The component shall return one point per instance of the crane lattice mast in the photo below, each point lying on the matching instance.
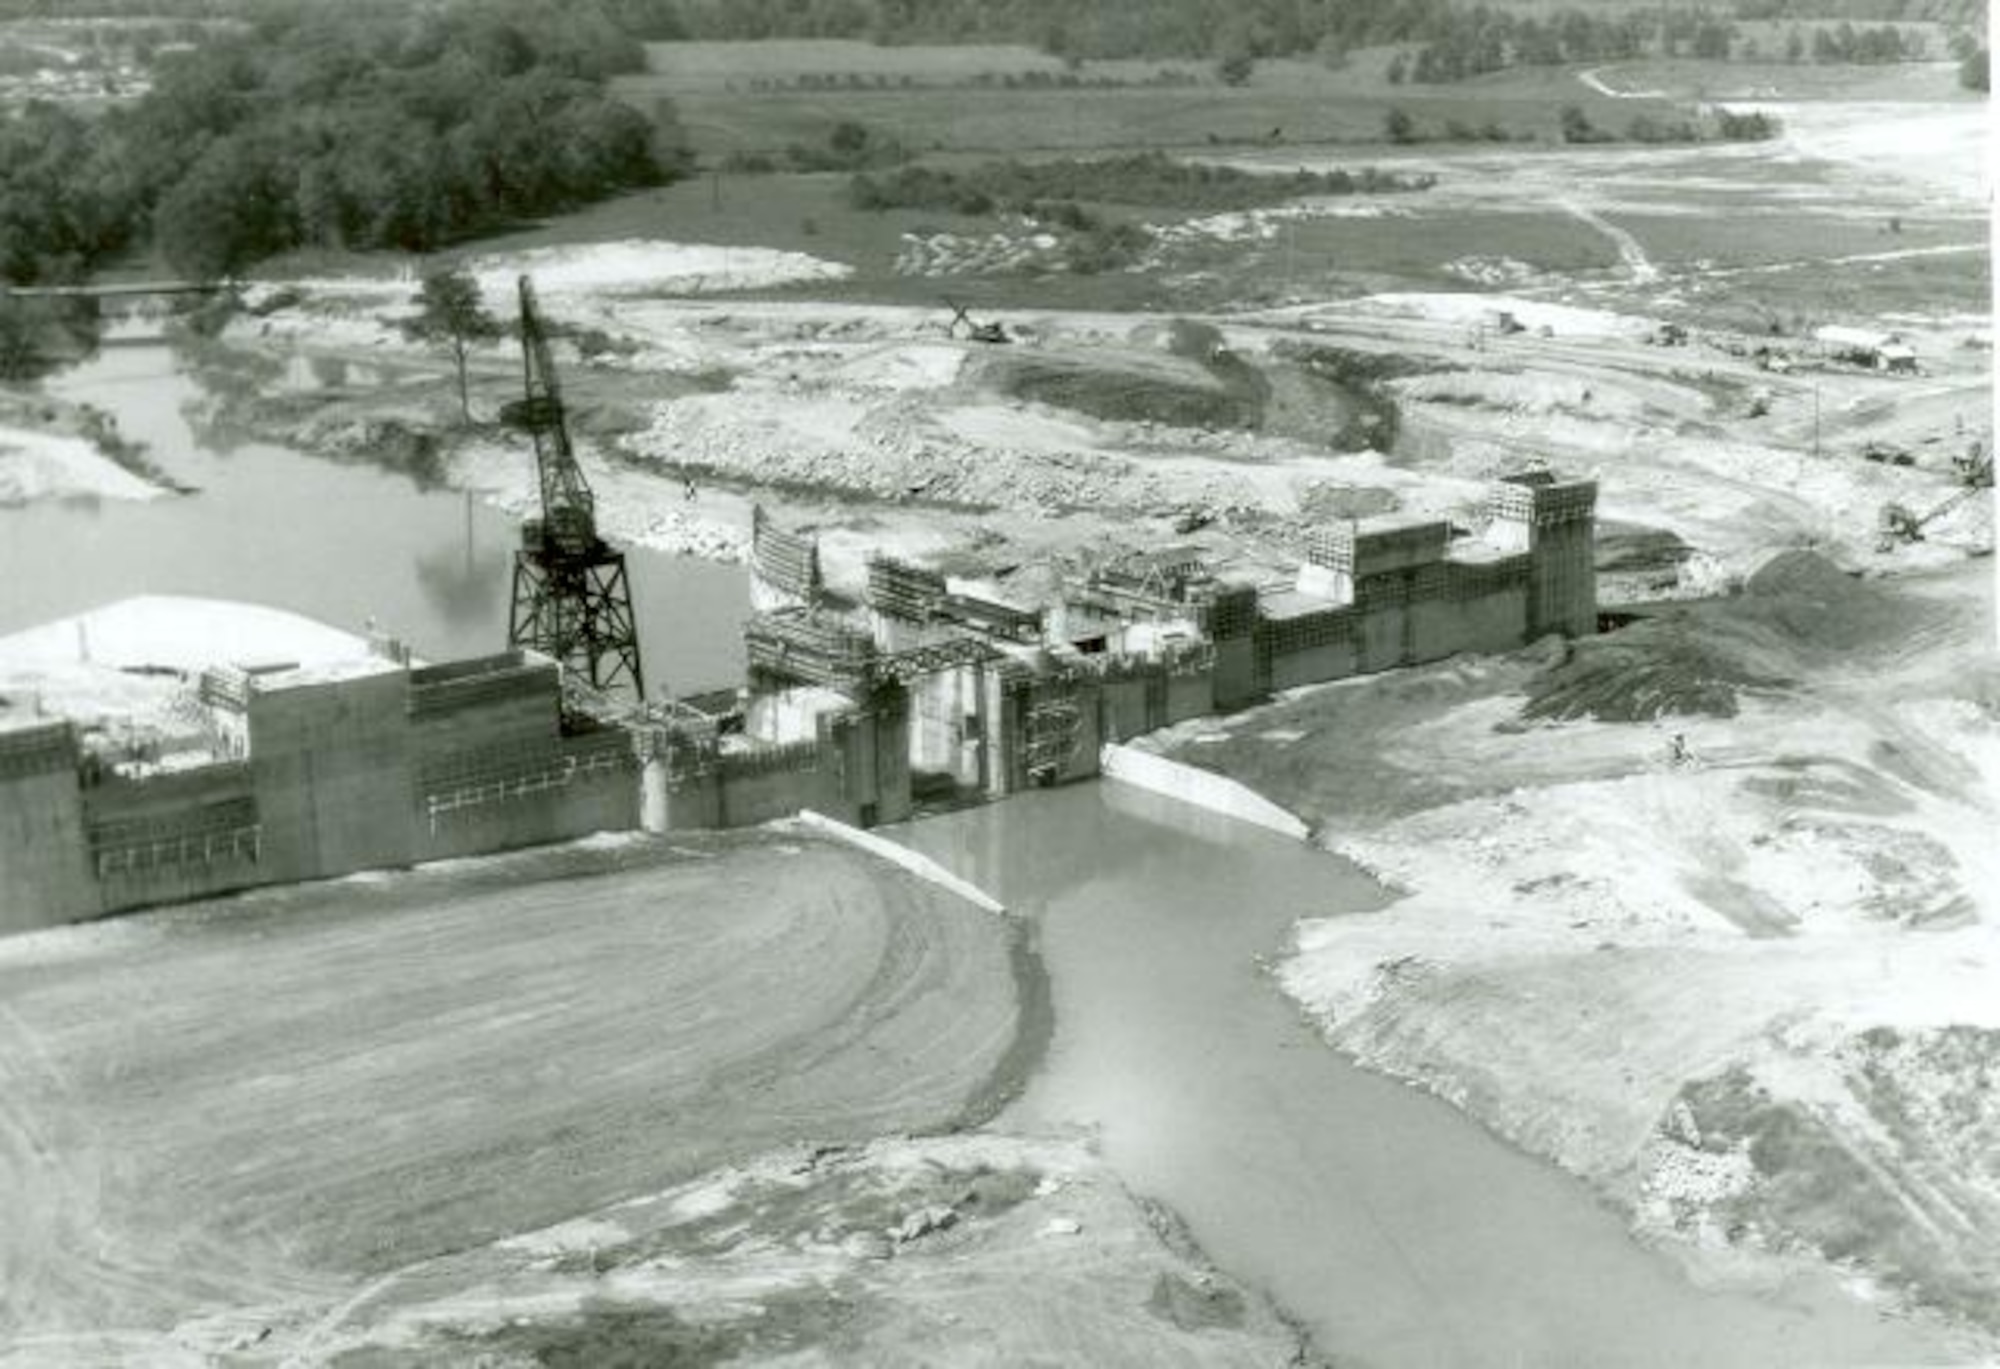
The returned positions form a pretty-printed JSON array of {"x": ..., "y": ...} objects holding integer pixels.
[{"x": 571, "y": 598}]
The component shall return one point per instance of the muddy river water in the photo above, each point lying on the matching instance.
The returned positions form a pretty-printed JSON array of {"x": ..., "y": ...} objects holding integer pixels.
[
  {"x": 343, "y": 543},
  {"x": 1397, "y": 1230}
]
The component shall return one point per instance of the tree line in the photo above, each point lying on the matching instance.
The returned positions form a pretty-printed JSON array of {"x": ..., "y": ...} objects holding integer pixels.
[
  {"x": 1468, "y": 38},
  {"x": 366, "y": 125},
  {"x": 1144, "y": 178}
]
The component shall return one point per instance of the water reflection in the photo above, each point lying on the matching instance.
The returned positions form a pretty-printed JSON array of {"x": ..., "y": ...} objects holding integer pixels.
[{"x": 465, "y": 584}]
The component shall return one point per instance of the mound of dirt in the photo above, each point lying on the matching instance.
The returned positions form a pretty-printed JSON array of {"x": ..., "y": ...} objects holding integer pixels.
[
  {"x": 1669, "y": 666},
  {"x": 1819, "y": 607},
  {"x": 1693, "y": 660},
  {"x": 1180, "y": 395}
]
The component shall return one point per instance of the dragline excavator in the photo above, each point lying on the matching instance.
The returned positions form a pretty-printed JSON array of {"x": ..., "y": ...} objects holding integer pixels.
[
  {"x": 572, "y": 601},
  {"x": 1899, "y": 524}
]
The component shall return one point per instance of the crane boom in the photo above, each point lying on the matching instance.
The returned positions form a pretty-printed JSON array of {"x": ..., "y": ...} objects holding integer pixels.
[{"x": 569, "y": 509}]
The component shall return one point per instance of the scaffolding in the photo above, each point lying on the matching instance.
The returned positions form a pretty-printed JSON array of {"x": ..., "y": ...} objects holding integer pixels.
[
  {"x": 213, "y": 834},
  {"x": 1051, "y": 731},
  {"x": 803, "y": 647},
  {"x": 787, "y": 562}
]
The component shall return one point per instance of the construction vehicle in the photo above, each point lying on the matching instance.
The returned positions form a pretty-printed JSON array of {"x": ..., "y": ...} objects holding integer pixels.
[
  {"x": 1899, "y": 524},
  {"x": 572, "y": 601},
  {"x": 977, "y": 332}
]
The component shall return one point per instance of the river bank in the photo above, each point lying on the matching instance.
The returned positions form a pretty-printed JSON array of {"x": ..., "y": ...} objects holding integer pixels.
[
  {"x": 54, "y": 448},
  {"x": 1701, "y": 911},
  {"x": 1397, "y": 1230}
]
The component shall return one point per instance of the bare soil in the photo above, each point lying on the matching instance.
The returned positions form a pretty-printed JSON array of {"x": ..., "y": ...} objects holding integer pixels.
[{"x": 276, "y": 1098}]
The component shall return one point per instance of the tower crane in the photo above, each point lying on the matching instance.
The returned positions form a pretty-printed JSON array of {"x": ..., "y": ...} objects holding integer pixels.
[{"x": 572, "y": 600}]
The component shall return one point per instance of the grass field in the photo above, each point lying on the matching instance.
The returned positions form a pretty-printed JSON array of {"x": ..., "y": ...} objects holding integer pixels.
[
  {"x": 715, "y": 65},
  {"x": 1304, "y": 101},
  {"x": 1687, "y": 79},
  {"x": 1811, "y": 293},
  {"x": 268, "y": 1098}
]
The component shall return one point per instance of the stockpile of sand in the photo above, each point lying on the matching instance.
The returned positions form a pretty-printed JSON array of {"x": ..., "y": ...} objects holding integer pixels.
[
  {"x": 39, "y": 465},
  {"x": 639, "y": 266},
  {"x": 1811, "y": 604},
  {"x": 175, "y": 632}
]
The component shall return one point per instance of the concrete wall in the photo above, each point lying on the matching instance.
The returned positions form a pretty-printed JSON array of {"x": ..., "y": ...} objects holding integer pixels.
[
  {"x": 1190, "y": 694},
  {"x": 1334, "y": 660},
  {"x": 332, "y": 765},
  {"x": 888, "y": 732},
  {"x": 1122, "y": 706},
  {"x": 173, "y": 836},
  {"x": 561, "y": 789},
  {"x": 1203, "y": 788},
  {"x": 509, "y": 704},
  {"x": 1236, "y": 679},
  {"x": 922, "y": 866},
  {"x": 856, "y": 770},
  {"x": 44, "y": 874},
  {"x": 774, "y": 783}
]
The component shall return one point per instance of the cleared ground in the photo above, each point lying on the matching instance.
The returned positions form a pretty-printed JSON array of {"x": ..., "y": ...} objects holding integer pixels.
[
  {"x": 977, "y": 1250},
  {"x": 264, "y": 1103},
  {"x": 1703, "y": 910}
]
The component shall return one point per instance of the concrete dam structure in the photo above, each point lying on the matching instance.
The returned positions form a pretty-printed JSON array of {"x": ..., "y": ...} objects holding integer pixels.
[{"x": 921, "y": 692}]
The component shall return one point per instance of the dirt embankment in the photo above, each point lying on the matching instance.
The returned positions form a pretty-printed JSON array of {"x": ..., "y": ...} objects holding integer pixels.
[
  {"x": 964, "y": 1250},
  {"x": 303, "y": 1090},
  {"x": 1703, "y": 910}
]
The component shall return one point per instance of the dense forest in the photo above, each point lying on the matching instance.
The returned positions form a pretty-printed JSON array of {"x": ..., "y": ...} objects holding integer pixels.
[{"x": 362, "y": 125}]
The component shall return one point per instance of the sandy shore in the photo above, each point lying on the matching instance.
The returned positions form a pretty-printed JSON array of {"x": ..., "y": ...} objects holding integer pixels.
[{"x": 36, "y": 464}]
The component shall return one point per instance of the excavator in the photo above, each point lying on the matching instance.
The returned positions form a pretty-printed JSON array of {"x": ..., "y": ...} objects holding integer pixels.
[
  {"x": 978, "y": 332},
  {"x": 1900, "y": 525}
]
